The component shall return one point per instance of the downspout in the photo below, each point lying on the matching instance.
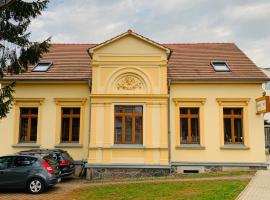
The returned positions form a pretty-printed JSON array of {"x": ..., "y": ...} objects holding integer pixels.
[
  {"x": 169, "y": 122},
  {"x": 89, "y": 131}
]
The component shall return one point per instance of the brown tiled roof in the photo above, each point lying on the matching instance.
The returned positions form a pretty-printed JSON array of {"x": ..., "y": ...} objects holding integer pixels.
[
  {"x": 187, "y": 62},
  {"x": 70, "y": 62},
  {"x": 192, "y": 61}
]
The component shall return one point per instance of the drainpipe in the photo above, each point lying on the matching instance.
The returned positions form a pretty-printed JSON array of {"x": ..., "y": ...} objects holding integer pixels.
[
  {"x": 89, "y": 130},
  {"x": 169, "y": 122}
]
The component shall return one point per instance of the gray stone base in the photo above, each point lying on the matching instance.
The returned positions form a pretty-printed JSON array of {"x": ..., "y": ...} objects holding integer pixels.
[
  {"x": 216, "y": 169},
  {"x": 120, "y": 173},
  {"x": 95, "y": 172}
]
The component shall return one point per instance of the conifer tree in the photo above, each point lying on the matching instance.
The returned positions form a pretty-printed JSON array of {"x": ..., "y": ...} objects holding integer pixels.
[{"x": 17, "y": 52}]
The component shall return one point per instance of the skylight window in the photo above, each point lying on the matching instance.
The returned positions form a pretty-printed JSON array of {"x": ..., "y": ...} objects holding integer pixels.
[
  {"x": 42, "y": 67},
  {"x": 220, "y": 66}
]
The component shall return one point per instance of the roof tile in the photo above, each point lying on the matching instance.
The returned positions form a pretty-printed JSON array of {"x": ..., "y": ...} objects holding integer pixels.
[{"x": 187, "y": 62}]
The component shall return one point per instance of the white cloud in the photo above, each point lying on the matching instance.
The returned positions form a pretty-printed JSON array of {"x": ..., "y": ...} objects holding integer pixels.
[{"x": 245, "y": 22}]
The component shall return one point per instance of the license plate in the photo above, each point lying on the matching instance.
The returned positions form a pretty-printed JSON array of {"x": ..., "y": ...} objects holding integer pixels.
[{"x": 59, "y": 180}]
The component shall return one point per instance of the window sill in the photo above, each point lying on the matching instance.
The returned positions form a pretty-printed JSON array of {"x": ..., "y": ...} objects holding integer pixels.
[
  {"x": 27, "y": 145},
  {"x": 127, "y": 146},
  {"x": 68, "y": 145},
  {"x": 234, "y": 147},
  {"x": 190, "y": 146}
]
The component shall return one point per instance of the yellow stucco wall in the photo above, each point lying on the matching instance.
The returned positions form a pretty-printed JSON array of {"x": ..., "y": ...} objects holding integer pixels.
[
  {"x": 48, "y": 135},
  {"x": 132, "y": 71},
  {"x": 232, "y": 95},
  {"x": 115, "y": 66}
]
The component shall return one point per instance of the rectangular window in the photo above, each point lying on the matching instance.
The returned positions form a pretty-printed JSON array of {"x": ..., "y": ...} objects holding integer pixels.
[
  {"x": 189, "y": 126},
  {"x": 128, "y": 124},
  {"x": 233, "y": 125},
  {"x": 42, "y": 66},
  {"x": 28, "y": 125},
  {"x": 267, "y": 86},
  {"x": 220, "y": 66},
  {"x": 70, "y": 125}
]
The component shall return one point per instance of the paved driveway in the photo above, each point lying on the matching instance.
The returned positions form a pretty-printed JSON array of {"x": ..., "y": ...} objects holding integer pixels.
[{"x": 58, "y": 192}]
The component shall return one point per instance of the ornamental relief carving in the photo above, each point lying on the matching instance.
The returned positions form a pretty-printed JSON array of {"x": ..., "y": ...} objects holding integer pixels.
[{"x": 129, "y": 83}]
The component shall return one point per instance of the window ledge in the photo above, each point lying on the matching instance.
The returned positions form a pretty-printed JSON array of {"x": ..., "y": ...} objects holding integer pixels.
[
  {"x": 127, "y": 146},
  {"x": 68, "y": 145},
  {"x": 190, "y": 146},
  {"x": 21, "y": 145},
  {"x": 234, "y": 147}
]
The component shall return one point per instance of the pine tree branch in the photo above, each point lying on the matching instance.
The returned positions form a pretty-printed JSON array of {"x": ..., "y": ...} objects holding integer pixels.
[
  {"x": 6, "y": 99},
  {"x": 16, "y": 51},
  {"x": 5, "y": 3}
]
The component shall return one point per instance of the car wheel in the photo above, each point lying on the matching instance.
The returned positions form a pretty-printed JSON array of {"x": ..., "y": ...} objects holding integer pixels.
[{"x": 36, "y": 186}]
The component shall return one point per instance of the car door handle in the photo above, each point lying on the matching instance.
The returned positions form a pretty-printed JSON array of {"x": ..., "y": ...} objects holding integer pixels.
[{"x": 1, "y": 172}]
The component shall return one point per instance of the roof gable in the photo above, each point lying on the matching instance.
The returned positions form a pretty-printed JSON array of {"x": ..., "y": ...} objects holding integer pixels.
[{"x": 129, "y": 43}]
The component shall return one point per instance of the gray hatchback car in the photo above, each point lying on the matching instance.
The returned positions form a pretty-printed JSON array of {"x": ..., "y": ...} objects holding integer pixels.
[{"x": 35, "y": 174}]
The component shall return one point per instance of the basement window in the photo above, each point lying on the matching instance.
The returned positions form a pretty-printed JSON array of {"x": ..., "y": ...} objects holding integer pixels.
[
  {"x": 220, "y": 66},
  {"x": 42, "y": 66}
]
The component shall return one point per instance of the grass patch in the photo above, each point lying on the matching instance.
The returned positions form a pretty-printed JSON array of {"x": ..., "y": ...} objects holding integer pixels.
[
  {"x": 177, "y": 176},
  {"x": 201, "y": 190}
]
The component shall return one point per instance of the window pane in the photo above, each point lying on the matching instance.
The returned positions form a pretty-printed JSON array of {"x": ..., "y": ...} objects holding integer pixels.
[
  {"x": 24, "y": 161},
  {"x": 138, "y": 130},
  {"x": 238, "y": 130},
  {"x": 118, "y": 129},
  {"x": 195, "y": 138},
  {"x": 184, "y": 130},
  {"x": 34, "y": 111},
  {"x": 220, "y": 66},
  {"x": 138, "y": 109},
  {"x": 194, "y": 110},
  {"x": 33, "y": 131},
  {"x": 227, "y": 131},
  {"x": 133, "y": 124},
  {"x": 267, "y": 86},
  {"x": 65, "y": 129},
  {"x": 128, "y": 131},
  {"x": 237, "y": 111},
  {"x": 42, "y": 67},
  {"x": 76, "y": 110},
  {"x": 183, "y": 110},
  {"x": 75, "y": 129},
  {"x": 24, "y": 110},
  {"x": 6, "y": 163},
  {"x": 23, "y": 130},
  {"x": 227, "y": 111},
  {"x": 118, "y": 109},
  {"x": 128, "y": 109},
  {"x": 66, "y": 110}
]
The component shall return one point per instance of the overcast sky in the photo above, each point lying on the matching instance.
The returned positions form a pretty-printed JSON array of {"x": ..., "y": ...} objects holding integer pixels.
[{"x": 244, "y": 22}]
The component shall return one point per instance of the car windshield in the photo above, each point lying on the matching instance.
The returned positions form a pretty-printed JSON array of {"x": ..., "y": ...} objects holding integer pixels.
[
  {"x": 49, "y": 159},
  {"x": 66, "y": 156}
]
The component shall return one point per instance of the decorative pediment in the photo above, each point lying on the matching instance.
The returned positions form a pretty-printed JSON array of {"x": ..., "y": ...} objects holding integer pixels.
[
  {"x": 129, "y": 82},
  {"x": 130, "y": 43}
]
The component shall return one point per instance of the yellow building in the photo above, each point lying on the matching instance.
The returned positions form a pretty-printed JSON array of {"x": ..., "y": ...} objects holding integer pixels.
[{"x": 132, "y": 106}]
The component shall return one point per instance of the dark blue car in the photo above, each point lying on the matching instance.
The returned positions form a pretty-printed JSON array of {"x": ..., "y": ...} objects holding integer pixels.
[
  {"x": 35, "y": 174},
  {"x": 64, "y": 160}
]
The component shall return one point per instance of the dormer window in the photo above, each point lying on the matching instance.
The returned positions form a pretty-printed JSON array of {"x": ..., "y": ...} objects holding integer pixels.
[
  {"x": 220, "y": 66},
  {"x": 42, "y": 66}
]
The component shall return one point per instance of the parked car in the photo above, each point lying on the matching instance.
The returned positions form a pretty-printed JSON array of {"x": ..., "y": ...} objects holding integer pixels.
[
  {"x": 35, "y": 174},
  {"x": 65, "y": 161}
]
